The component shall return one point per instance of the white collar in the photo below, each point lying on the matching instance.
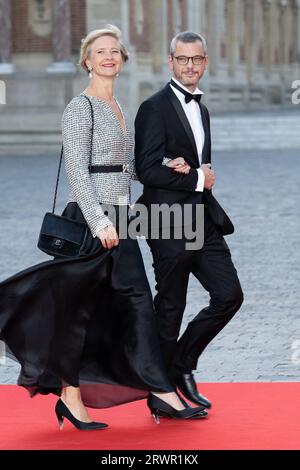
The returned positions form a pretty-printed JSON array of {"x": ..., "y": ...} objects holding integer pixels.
[{"x": 195, "y": 92}]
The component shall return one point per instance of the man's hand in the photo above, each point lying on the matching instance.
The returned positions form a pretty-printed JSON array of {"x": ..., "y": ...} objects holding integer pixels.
[
  {"x": 108, "y": 236},
  {"x": 179, "y": 164},
  {"x": 209, "y": 175}
]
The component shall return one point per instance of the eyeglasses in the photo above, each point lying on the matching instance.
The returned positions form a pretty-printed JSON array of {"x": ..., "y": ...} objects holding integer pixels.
[{"x": 184, "y": 60}]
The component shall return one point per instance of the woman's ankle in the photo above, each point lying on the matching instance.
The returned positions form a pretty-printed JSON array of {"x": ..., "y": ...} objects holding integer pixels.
[{"x": 71, "y": 394}]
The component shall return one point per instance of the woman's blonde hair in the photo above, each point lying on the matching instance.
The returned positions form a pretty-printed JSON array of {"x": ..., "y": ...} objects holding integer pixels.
[{"x": 108, "y": 30}]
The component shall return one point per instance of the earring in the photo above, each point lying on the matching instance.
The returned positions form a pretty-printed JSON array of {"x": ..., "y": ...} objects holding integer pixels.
[{"x": 90, "y": 71}]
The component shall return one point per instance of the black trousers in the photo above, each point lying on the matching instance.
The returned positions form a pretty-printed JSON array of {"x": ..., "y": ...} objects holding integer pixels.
[{"x": 213, "y": 267}]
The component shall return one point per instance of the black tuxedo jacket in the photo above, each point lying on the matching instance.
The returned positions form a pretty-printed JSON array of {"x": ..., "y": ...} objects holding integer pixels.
[{"x": 163, "y": 130}]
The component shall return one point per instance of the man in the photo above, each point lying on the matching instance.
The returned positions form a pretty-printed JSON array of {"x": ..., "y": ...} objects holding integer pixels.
[{"x": 174, "y": 123}]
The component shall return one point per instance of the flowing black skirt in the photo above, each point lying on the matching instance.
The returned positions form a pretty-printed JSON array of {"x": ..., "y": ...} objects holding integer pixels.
[{"x": 86, "y": 321}]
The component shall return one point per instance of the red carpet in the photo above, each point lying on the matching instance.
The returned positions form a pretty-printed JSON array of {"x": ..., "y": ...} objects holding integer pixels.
[{"x": 244, "y": 416}]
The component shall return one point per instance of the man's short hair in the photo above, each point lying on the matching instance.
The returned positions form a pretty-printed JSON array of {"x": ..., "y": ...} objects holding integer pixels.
[{"x": 187, "y": 37}]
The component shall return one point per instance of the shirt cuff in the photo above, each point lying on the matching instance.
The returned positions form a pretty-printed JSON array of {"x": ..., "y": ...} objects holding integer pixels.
[
  {"x": 166, "y": 160},
  {"x": 200, "y": 183}
]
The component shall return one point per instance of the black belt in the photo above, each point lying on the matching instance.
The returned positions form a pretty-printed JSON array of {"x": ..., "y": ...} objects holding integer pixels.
[{"x": 106, "y": 169}]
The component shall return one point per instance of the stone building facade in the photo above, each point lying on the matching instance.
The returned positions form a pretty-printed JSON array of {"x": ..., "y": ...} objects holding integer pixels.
[{"x": 254, "y": 51}]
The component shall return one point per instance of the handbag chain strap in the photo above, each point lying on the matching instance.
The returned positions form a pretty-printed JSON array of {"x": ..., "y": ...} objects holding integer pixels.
[{"x": 62, "y": 152}]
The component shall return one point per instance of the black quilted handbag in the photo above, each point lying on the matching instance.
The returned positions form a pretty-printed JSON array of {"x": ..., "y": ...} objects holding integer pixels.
[{"x": 61, "y": 236}]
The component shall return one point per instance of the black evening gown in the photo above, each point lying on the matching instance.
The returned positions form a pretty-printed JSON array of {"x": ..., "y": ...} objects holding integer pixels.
[{"x": 87, "y": 322}]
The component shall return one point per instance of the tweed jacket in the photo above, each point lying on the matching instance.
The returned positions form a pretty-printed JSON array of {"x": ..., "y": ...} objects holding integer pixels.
[{"x": 110, "y": 146}]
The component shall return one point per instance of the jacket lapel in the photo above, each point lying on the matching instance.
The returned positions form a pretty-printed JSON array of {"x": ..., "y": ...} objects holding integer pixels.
[
  {"x": 183, "y": 119},
  {"x": 206, "y": 146}
]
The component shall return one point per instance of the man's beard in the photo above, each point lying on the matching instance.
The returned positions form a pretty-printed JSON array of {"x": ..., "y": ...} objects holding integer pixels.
[{"x": 190, "y": 81}]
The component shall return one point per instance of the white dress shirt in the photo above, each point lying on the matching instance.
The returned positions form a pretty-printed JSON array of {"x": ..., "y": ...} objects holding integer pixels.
[{"x": 193, "y": 114}]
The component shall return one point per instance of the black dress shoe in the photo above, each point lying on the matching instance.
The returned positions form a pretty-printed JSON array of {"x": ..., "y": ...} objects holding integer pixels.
[
  {"x": 187, "y": 385},
  {"x": 184, "y": 402},
  {"x": 202, "y": 412},
  {"x": 62, "y": 411},
  {"x": 159, "y": 408}
]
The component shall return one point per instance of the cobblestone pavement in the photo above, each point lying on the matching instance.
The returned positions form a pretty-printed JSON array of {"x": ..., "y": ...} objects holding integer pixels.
[{"x": 260, "y": 190}]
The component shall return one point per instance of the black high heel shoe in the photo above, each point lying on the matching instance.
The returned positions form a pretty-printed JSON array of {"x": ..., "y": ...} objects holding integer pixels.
[
  {"x": 62, "y": 411},
  {"x": 160, "y": 408},
  {"x": 200, "y": 407}
]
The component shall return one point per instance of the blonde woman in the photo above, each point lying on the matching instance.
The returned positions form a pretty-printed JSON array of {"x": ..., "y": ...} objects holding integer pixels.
[{"x": 84, "y": 328}]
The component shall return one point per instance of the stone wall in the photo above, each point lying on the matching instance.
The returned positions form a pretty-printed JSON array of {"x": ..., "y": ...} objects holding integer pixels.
[{"x": 254, "y": 52}]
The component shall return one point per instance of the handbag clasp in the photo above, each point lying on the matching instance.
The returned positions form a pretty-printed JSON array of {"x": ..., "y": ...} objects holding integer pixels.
[{"x": 58, "y": 243}]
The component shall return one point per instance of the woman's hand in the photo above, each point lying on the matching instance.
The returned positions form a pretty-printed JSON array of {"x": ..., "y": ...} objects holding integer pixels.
[
  {"x": 179, "y": 164},
  {"x": 108, "y": 236}
]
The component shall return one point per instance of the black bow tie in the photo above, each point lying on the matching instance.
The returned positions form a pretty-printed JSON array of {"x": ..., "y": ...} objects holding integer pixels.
[{"x": 188, "y": 96}]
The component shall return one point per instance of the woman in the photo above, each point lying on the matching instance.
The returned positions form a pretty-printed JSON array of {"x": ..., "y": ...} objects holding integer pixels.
[{"x": 84, "y": 328}]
